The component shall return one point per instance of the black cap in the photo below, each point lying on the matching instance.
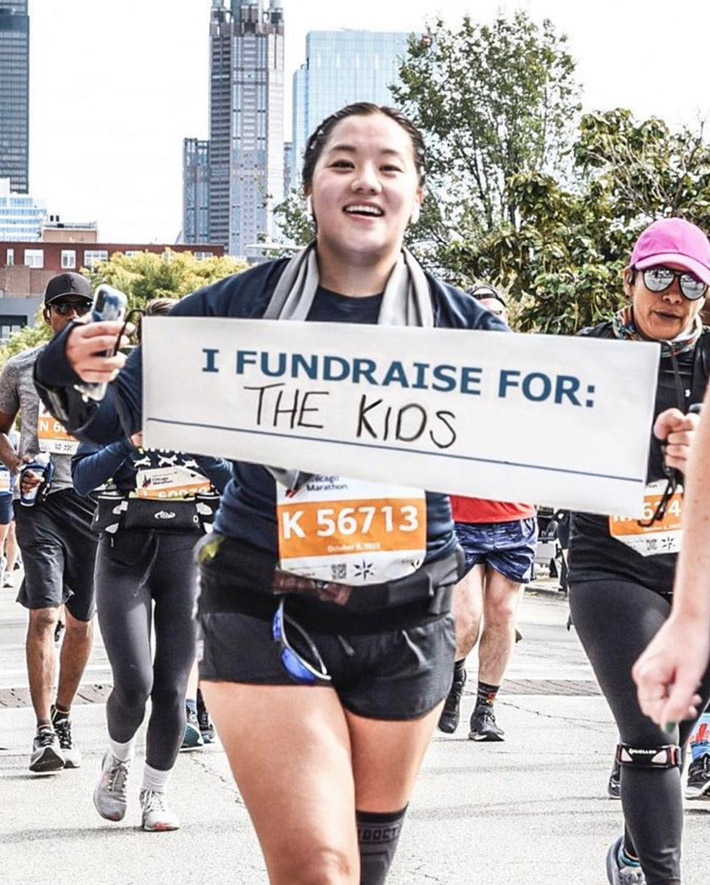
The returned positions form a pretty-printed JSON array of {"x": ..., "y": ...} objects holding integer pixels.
[{"x": 68, "y": 284}]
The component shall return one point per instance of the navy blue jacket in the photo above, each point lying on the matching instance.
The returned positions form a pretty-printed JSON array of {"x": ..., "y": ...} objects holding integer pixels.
[{"x": 247, "y": 510}]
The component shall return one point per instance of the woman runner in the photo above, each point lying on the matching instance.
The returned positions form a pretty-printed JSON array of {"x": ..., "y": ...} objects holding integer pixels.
[{"x": 324, "y": 694}]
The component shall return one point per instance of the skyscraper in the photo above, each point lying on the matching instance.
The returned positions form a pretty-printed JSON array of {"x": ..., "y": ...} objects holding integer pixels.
[
  {"x": 243, "y": 161},
  {"x": 14, "y": 93},
  {"x": 341, "y": 67}
]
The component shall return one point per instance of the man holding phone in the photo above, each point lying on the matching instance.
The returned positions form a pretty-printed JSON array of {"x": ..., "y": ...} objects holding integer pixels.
[{"x": 54, "y": 534}]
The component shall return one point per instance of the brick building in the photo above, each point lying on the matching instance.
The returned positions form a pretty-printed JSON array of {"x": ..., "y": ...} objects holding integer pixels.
[{"x": 26, "y": 266}]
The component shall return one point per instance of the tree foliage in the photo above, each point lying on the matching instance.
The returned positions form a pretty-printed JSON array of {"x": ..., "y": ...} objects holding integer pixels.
[
  {"x": 149, "y": 275},
  {"x": 494, "y": 101},
  {"x": 526, "y": 193},
  {"x": 142, "y": 277}
]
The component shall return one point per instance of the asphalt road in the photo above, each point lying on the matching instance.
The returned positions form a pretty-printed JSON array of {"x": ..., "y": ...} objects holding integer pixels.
[{"x": 529, "y": 811}]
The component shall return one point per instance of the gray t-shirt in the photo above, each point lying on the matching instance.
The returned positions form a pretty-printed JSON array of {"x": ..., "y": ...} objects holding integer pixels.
[{"x": 18, "y": 393}]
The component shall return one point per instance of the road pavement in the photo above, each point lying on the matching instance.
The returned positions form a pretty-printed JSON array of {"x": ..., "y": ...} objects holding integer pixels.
[{"x": 529, "y": 811}]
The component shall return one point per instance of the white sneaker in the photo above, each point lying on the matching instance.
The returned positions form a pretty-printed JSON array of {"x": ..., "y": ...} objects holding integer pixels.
[
  {"x": 157, "y": 814},
  {"x": 110, "y": 793},
  {"x": 70, "y": 751},
  {"x": 46, "y": 755}
]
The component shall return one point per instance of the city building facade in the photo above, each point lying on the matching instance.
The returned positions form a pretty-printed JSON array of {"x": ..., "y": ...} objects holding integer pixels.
[
  {"x": 21, "y": 216},
  {"x": 27, "y": 266},
  {"x": 236, "y": 178},
  {"x": 15, "y": 94},
  {"x": 341, "y": 67}
]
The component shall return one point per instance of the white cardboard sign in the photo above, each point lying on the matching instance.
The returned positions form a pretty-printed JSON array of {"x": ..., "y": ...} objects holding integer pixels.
[{"x": 555, "y": 420}]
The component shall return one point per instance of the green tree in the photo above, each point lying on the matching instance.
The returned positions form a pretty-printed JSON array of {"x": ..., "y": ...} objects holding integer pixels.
[
  {"x": 24, "y": 339},
  {"x": 494, "y": 101},
  {"x": 142, "y": 277},
  {"x": 565, "y": 259},
  {"x": 171, "y": 275},
  {"x": 294, "y": 222}
]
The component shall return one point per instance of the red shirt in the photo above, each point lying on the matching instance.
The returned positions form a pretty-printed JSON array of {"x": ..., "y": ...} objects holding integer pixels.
[{"x": 477, "y": 510}]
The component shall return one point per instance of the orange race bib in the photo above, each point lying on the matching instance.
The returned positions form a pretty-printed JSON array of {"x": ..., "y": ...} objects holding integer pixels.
[
  {"x": 170, "y": 482},
  {"x": 350, "y": 531},
  {"x": 5, "y": 481},
  {"x": 52, "y": 436},
  {"x": 663, "y": 536}
]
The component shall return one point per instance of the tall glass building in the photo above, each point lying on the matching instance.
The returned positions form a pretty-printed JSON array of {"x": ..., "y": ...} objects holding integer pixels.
[
  {"x": 341, "y": 67},
  {"x": 14, "y": 93},
  {"x": 21, "y": 216},
  {"x": 244, "y": 159}
]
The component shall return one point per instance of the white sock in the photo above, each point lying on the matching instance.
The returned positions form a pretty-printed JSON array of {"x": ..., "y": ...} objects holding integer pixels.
[
  {"x": 155, "y": 780},
  {"x": 122, "y": 752}
]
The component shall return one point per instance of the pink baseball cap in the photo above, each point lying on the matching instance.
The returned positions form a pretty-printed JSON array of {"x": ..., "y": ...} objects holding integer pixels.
[{"x": 673, "y": 241}]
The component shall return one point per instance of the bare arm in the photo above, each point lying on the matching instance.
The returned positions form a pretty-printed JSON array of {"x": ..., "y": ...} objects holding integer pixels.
[
  {"x": 669, "y": 671},
  {"x": 8, "y": 455}
]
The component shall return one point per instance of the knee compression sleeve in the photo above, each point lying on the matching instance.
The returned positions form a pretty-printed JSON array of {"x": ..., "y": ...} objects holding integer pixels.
[
  {"x": 665, "y": 756},
  {"x": 377, "y": 835}
]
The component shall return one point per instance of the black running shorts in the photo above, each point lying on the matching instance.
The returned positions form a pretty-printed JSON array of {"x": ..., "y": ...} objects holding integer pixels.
[
  {"x": 394, "y": 672},
  {"x": 58, "y": 553}
]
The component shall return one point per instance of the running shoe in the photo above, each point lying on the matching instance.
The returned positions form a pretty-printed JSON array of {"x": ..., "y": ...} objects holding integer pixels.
[
  {"x": 619, "y": 873},
  {"x": 192, "y": 739},
  {"x": 613, "y": 788},
  {"x": 71, "y": 753},
  {"x": 110, "y": 793},
  {"x": 157, "y": 814},
  {"x": 698, "y": 783},
  {"x": 450, "y": 715},
  {"x": 484, "y": 726},
  {"x": 47, "y": 754},
  {"x": 7, "y": 580},
  {"x": 206, "y": 725}
]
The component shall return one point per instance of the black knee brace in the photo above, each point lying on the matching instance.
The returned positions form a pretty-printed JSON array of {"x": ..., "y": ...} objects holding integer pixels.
[
  {"x": 665, "y": 756},
  {"x": 377, "y": 836}
]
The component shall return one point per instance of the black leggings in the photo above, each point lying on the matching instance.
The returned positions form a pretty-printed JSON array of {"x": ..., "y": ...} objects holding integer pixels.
[
  {"x": 133, "y": 571},
  {"x": 615, "y": 620}
]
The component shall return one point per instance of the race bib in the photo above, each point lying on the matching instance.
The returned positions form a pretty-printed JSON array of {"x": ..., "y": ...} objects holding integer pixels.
[
  {"x": 663, "y": 536},
  {"x": 170, "y": 482},
  {"x": 5, "y": 481},
  {"x": 349, "y": 531},
  {"x": 52, "y": 436}
]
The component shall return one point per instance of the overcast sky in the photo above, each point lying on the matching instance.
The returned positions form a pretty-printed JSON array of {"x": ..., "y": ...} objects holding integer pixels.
[{"x": 117, "y": 84}]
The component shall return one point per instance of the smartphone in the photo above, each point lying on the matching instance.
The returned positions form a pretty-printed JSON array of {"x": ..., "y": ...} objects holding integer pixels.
[{"x": 109, "y": 304}]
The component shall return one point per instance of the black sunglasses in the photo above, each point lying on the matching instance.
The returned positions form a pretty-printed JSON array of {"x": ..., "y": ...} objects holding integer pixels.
[
  {"x": 658, "y": 279},
  {"x": 64, "y": 308},
  {"x": 297, "y": 667}
]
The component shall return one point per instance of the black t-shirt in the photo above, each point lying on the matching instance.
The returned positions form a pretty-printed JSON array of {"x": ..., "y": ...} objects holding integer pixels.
[{"x": 595, "y": 555}]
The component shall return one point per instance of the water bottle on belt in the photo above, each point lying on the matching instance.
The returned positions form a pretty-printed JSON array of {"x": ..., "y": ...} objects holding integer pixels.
[{"x": 41, "y": 465}]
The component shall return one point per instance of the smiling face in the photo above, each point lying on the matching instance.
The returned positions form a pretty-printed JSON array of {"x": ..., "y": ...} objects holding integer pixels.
[
  {"x": 365, "y": 189},
  {"x": 661, "y": 316}
]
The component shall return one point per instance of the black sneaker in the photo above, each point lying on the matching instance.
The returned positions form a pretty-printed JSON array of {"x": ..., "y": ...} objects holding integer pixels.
[
  {"x": 449, "y": 719},
  {"x": 613, "y": 788},
  {"x": 71, "y": 753},
  {"x": 484, "y": 726},
  {"x": 46, "y": 755},
  {"x": 698, "y": 783}
]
